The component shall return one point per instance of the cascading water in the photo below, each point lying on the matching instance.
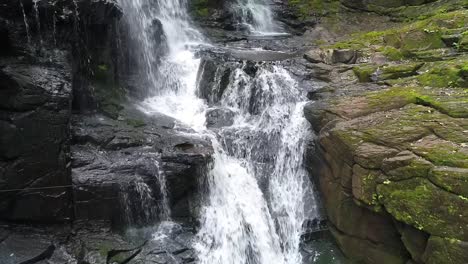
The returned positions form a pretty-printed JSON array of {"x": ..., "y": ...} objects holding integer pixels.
[
  {"x": 257, "y": 16},
  {"x": 267, "y": 143},
  {"x": 38, "y": 20},
  {"x": 26, "y": 24},
  {"x": 255, "y": 207},
  {"x": 146, "y": 209}
]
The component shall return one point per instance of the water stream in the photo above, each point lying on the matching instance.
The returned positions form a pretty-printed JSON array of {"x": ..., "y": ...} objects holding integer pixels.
[
  {"x": 259, "y": 194},
  {"x": 257, "y": 16}
]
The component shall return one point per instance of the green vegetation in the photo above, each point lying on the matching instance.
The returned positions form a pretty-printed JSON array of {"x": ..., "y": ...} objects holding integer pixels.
[
  {"x": 406, "y": 41},
  {"x": 308, "y": 8},
  {"x": 107, "y": 93}
]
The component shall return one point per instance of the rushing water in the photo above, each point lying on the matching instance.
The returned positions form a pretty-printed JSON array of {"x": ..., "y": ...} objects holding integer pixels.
[
  {"x": 257, "y": 16},
  {"x": 259, "y": 193}
]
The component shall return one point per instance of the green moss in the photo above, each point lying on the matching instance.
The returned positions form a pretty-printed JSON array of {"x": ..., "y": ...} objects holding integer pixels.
[
  {"x": 110, "y": 99},
  {"x": 439, "y": 77},
  {"x": 364, "y": 73},
  {"x": 443, "y": 153},
  {"x": 463, "y": 43},
  {"x": 403, "y": 95},
  {"x": 135, "y": 122},
  {"x": 308, "y": 8},
  {"x": 392, "y": 53},
  {"x": 400, "y": 42},
  {"x": 445, "y": 250},
  {"x": 419, "y": 203},
  {"x": 200, "y": 8}
]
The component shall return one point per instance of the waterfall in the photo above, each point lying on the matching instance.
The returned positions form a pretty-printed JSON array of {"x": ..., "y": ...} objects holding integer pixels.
[
  {"x": 26, "y": 25},
  {"x": 146, "y": 209},
  {"x": 257, "y": 16},
  {"x": 254, "y": 209},
  {"x": 38, "y": 21},
  {"x": 267, "y": 140}
]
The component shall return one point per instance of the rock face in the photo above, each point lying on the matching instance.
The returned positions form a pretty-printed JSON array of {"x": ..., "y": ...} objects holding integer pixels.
[
  {"x": 391, "y": 152},
  {"x": 105, "y": 162},
  {"x": 126, "y": 168},
  {"x": 94, "y": 243},
  {"x": 35, "y": 115},
  {"x": 35, "y": 110}
]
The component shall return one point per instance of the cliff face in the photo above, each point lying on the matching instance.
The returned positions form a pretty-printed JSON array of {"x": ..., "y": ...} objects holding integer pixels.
[
  {"x": 391, "y": 153},
  {"x": 67, "y": 72}
]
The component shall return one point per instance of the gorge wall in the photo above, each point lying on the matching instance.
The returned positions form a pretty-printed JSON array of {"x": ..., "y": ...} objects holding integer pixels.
[
  {"x": 391, "y": 152},
  {"x": 65, "y": 118}
]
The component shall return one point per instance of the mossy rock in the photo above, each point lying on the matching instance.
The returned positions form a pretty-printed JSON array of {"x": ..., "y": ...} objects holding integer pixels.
[
  {"x": 135, "y": 122},
  {"x": 442, "y": 152},
  {"x": 364, "y": 186},
  {"x": 463, "y": 43},
  {"x": 304, "y": 9},
  {"x": 406, "y": 165},
  {"x": 430, "y": 55},
  {"x": 403, "y": 42},
  {"x": 444, "y": 73},
  {"x": 454, "y": 180},
  {"x": 421, "y": 40},
  {"x": 445, "y": 250},
  {"x": 420, "y": 203},
  {"x": 399, "y": 71}
]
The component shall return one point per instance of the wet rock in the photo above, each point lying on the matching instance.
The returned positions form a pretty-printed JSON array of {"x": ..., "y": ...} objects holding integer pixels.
[
  {"x": 35, "y": 102},
  {"x": 112, "y": 160},
  {"x": 219, "y": 117},
  {"x": 213, "y": 80}
]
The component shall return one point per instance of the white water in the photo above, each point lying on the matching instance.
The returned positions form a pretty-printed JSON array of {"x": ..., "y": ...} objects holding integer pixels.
[
  {"x": 38, "y": 20},
  {"x": 26, "y": 25},
  {"x": 242, "y": 221},
  {"x": 146, "y": 209},
  {"x": 257, "y": 16}
]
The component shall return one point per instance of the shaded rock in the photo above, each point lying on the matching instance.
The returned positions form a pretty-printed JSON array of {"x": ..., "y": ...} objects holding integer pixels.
[
  {"x": 415, "y": 242},
  {"x": 34, "y": 122},
  {"x": 445, "y": 250},
  {"x": 346, "y": 56},
  {"x": 365, "y": 251}
]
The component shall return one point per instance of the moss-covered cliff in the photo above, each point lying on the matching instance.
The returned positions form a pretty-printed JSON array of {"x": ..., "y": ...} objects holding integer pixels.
[{"x": 392, "y": 153}]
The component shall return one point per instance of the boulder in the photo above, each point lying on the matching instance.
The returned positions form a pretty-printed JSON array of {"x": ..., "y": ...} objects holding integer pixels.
[{"x": 332, "y": 56}]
